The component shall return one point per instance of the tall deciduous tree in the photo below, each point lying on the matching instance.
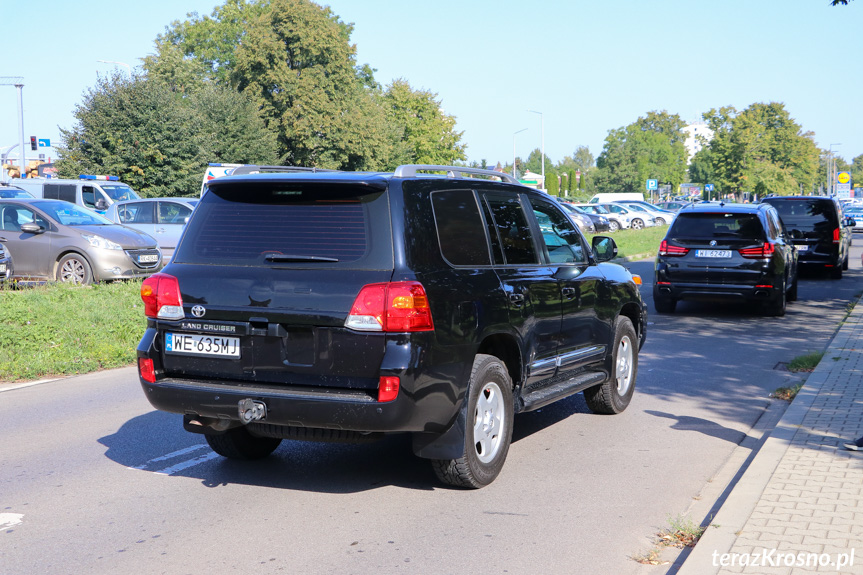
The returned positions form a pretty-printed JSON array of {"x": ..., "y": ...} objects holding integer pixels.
[
  {"x": 296, "y": 63},
  {"x": 649, "y": 148},
  {"x": 157, "y": 140},
  {"x": 762, "y": 150},
  {"x": 428, "y": 133}
]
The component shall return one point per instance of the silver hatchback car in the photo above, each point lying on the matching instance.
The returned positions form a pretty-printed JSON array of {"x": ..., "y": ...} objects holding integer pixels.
[
  {"x": 162, "y": 218},
  {"x": 55, "y": 240}
]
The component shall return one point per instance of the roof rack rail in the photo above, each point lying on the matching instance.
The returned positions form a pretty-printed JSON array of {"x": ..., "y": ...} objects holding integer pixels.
[
  {"x": 256, "y": 169},
  {"x": 410, "y": 170}
]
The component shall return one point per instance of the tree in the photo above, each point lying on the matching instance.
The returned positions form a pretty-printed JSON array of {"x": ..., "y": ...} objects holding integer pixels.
[
  {"x": 857, "y": 170},
  {"x": 584, "y": 160},
  {"x": 428, "y": 133},
  {"x": 761, "y": 149},
  {"x": 650, "y": 147},
  {"x": 552, "y": 183},
  {"x": 157, "y": 140},
  {"x": 534, "y": 162},
  {"x": 701, "y": 167},
  {"x": 296, "y": 64}
]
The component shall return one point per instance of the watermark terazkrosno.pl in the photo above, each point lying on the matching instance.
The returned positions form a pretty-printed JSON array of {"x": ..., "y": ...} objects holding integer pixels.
[{"x": 776, "y": 558}]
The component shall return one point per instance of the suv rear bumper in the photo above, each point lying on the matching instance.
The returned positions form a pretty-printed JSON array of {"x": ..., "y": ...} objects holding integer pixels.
[
  {"x": 679, "y": 291},
  {"x": 428, "y": 399}
]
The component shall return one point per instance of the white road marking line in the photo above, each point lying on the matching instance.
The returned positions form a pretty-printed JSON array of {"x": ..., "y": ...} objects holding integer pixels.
[
  {"x": 187, "y": 464},
  {"x": 9, "y": 520},
  {"x": 172, "y": 455}
]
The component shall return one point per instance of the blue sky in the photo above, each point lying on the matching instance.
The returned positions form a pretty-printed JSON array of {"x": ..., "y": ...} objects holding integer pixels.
[{"x": 588, "y": 66}]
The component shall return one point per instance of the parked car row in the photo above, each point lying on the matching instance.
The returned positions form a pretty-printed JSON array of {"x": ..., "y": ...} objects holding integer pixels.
[
  {"x": 44, "y": 240},
  {"x": 749, "y": 252}
]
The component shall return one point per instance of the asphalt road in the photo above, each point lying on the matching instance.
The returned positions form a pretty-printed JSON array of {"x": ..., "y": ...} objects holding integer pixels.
[{"x": 93, "y": 480}]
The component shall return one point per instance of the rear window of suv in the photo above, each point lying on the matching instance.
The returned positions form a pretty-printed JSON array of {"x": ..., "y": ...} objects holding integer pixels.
[
  {"x": 290, "y": 224},
  {"x": 717, "y": 225},
  {"x": 806, "y": 214}
]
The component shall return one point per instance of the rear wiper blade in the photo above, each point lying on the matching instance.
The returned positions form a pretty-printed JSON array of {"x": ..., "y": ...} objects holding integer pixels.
[{"x": 290, "y": 258}]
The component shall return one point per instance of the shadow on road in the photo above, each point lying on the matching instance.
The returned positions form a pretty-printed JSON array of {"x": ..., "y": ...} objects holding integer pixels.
[{"x": 709, "y": 428}]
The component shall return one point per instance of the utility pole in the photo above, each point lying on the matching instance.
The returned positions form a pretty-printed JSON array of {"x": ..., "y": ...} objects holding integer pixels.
[
  {"x": 831, "y": 168},
  {"x": 16, "y": 81}
]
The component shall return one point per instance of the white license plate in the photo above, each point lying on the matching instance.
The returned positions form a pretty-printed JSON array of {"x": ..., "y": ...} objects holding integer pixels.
[
  {"x": 148, "y": 258},
  {"x": 801, "y": 248},
  {"x": 210, "y": 345},
  {"x": 713, "y": 253},
  {"x": 2, "y": 268}
]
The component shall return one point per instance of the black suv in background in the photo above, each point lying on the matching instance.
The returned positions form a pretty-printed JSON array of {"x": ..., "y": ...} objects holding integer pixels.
[
  {"x": 715, "y": 250},
  {"x": 341, "y": 306},
  {"x": 819, "y": 230}
]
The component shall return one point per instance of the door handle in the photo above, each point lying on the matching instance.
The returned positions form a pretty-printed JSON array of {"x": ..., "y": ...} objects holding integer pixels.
[
  {"x": 516, "y": 298},
  {"x": 568, "y": 292}
]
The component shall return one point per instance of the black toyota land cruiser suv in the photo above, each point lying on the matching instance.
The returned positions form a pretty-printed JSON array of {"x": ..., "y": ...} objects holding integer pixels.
[{"x": 340, "y": 306}]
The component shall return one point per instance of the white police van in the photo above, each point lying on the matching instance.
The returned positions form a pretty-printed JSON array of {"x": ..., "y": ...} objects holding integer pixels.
[{"x": 93, "y": 192}]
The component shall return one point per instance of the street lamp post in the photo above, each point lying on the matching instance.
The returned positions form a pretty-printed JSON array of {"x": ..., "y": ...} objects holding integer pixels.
[
  {"x": 128, "y": 67},
  {"x": 542, "y": 144},
  {"x": 513, "y": 150},
  {"x": 831, "y": 167}
]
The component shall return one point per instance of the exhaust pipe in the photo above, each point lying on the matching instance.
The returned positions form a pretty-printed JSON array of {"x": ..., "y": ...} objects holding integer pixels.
[{"x": 251, "y": 410}]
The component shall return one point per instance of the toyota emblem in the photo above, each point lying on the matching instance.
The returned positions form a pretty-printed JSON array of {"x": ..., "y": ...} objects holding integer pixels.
[{"x": 198, "y": 311}]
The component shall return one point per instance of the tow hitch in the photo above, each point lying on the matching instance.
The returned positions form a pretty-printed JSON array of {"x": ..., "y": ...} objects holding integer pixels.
[{"x": 251, "y": 410}]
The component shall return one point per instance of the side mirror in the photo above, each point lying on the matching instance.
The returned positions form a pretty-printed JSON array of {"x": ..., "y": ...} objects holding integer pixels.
[
  {"x": 101, "y": 204},
  {"x": 604, "y": 248},
  {"x": 31, "y": 228},
  {"x": 850, "y": 222}
]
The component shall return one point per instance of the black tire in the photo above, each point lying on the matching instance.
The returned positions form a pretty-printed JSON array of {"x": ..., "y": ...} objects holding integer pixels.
[
  {"x": 73, "y": 268},
  {"x": 613, "y": 396},
  {"x": 636, "y": 224},
  {"x": 238, "y": 443},
  {"x": 613, "y": 226},
  {"x": 836, "y": 273},
  {"x": 776, "y": 308},
  {"x": 660, "y": 221},
  {"x": 664, "y": 304},
  {"x": 792, "y": 292},
  {"x": 488, "y": 427}
]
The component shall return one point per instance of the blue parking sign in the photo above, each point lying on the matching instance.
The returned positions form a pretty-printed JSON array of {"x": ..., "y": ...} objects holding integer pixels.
[{"x": 652, "y": 184}]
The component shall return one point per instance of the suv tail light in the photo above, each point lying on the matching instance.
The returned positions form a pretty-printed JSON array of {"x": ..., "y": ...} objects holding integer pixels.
[
  {"x": 764, "y": 251},
  {"x": 161, "y": 296},
  {"x": 665, "y": 249},
  {"x": 837, "y": 233},
  {"x": 391, "y": 307}
]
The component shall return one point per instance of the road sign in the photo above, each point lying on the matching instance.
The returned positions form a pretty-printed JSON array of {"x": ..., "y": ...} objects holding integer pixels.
[
  {"x": 652, "y": 184},
  {"x": 44, "y": 143},
  {"x": 708, "y": 187}
]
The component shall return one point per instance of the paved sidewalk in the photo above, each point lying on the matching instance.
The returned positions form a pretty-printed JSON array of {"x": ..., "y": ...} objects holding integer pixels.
[{"x": 801, "y": 498}]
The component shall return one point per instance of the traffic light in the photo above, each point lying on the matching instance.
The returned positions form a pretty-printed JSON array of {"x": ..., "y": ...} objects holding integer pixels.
[{"x": 33, "y": 145}]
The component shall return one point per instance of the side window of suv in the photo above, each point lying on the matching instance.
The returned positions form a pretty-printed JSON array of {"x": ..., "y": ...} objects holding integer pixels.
[
  {"x": 562, "y": 241},
  {"x": 512, "y": 229},
  {"x": 460, "y": 229},
  {"x": 774, "y": 228}
]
